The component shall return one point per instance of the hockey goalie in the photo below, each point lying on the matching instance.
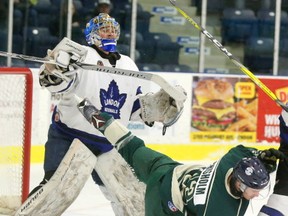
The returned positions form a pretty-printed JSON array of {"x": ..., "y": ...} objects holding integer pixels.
[{"x": 68, "y": 163}]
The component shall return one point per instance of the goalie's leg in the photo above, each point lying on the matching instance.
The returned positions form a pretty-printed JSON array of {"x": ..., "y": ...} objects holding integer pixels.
[
  {"x": 122, "y": 188},
  {"x": 62, "y": 189}
]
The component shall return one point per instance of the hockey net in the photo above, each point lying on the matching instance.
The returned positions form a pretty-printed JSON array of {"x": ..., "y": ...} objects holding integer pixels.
[{"x": 15, "y": 136}]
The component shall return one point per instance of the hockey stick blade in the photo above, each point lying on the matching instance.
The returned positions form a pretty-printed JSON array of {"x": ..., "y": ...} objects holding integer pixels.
[
  {"x": 230, "y": 56},
  {"x": 174, "y": 93}
]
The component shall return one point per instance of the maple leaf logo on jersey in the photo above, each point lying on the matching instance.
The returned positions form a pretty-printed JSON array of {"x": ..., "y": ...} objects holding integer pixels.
[{"x": 111, "y": 100}]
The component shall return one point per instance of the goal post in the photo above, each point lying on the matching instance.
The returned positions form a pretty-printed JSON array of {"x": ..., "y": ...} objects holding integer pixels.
[{"x": 15, "y": 136}]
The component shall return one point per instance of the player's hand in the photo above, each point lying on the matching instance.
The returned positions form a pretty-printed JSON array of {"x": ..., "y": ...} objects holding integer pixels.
[
  {"x": 64, "y": 69},
  {"x": 64, "y": 59},
  {"x": 270, "y": 156}
]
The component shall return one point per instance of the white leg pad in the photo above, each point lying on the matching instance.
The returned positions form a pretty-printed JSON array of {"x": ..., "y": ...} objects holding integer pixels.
[
  {"x": 64, "y": 186},
  {"x": 126, "y": 192}
]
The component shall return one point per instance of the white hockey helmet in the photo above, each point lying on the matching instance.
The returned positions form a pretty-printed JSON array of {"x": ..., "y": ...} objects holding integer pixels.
[{"x": 100, "y": 23}]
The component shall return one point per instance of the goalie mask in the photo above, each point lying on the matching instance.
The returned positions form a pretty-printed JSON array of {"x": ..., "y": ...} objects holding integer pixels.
[
  {"x": 103, "y": 31},
  {"x": 252, "y": 173}
]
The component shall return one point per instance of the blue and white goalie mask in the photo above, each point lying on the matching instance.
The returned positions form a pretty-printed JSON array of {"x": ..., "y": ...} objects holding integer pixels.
[{"x": 103, "y": 31}]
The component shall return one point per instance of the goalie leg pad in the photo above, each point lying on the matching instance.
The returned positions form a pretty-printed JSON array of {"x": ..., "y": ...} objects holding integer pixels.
[
  {"x": 64, "y": 186},
  {"x": 126, "y": 192}
]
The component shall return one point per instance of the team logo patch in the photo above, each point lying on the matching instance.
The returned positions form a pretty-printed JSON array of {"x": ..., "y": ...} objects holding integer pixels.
[
  {"x": 249, "y": 171},
  {"x": 172, "y": 207},
  {"x": 111, "y": 100}
]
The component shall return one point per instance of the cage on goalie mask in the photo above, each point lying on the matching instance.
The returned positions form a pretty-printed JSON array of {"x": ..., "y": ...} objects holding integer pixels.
[
  {"x": 102, "y": 24},
  {"x": 252, "y": 173}
]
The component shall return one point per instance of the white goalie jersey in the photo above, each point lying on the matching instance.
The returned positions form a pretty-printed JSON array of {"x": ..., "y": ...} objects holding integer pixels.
[{"x": 110, "y": 93}]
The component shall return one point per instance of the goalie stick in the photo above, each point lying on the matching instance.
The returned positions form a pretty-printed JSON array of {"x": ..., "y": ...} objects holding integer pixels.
[
  {"x": 173, "y": 92},
  {"x": 230, "y": 56}
]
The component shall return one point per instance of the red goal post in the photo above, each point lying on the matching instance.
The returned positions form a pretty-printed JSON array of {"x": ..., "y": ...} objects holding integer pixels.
[{"x": 15, "y": 136}]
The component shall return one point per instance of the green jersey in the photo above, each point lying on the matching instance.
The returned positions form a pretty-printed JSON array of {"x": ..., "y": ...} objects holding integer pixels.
[
  {"x": 205, "y": 191},
  {"x": 186, "y": 190}
]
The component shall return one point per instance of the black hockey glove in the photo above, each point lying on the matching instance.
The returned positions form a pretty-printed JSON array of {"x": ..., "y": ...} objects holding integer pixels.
[{"x": 269, "y": 158}]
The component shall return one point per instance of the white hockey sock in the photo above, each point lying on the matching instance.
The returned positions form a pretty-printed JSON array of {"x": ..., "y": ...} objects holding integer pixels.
[{"x": 117, "y": 134}]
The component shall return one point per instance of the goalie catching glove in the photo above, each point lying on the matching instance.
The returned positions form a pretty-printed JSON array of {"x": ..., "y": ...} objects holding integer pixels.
[
  {"x": 54, "y": 74},
  {"x": 269, "y": 158},
  {"x": 161, "y": 107}
]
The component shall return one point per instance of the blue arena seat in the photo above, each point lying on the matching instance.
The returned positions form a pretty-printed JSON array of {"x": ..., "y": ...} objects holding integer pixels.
[
  {"x": 167, "y": 53},
  {"x": 238, "y": 25},
  {"x": 123, "y": 49},
  {"x": 18, "y": 19},
  {"x": 284, "y": 47},
  {"x": 143, "y": 19},
  {"x": 258, "y": 54},
  {"x": 39, "y": 40},
  {"x": 3, "y": 39},
  {"x": 125, "y": 38},
  {"x": 266, "y": 23},
  {"x": 149, "y": 67},
  {"x": 177, "y": 68}
]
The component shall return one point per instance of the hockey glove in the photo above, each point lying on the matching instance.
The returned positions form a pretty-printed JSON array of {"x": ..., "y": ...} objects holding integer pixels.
[
  {"x": 161, "y": 107},
  {"x": 54, "y": 74},
  {"x": 269, "y": 158}
]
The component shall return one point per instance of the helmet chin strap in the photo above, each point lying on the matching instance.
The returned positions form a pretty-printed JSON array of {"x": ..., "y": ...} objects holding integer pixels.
[{"x": 108, "y": 45}]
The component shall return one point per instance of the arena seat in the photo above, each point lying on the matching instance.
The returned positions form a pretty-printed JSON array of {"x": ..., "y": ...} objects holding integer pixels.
[
  {"x": 266, "y": 23},
  {"x": 177, "y": 68},
  {"x": 238, "y": 25},
  {"x": 258, "y": 54},
  {"x": 39, "y": 40},
  {"x": 149, "y": 67}
]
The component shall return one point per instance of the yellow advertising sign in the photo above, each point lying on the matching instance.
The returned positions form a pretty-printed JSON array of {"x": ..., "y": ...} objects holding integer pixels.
[
  {"x": 282, "y": 94},
  {"x": 245, "y": 90}
]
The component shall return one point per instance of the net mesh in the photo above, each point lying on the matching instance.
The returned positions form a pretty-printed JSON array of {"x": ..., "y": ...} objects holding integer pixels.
[{"x": 12, "y": 110}]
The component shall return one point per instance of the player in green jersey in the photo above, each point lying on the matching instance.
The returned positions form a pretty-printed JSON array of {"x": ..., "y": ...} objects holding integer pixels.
[{"x": 223, "y": 188}]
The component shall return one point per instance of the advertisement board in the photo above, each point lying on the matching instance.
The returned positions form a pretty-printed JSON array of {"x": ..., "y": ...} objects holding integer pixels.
[{"x": 234, "y": 109}]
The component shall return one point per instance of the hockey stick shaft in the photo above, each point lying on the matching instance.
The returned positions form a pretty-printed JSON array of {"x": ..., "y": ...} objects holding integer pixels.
[
  {"x": 230, "y": 56},
  {"x": 173, "y": 92},
  {"x": 26, "y": 57}
]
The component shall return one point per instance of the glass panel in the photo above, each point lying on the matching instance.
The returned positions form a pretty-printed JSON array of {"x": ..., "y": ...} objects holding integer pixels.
[
  {"x": 283, "y": 46},
  {"x": 165, "y": 40},
  {"x": 246, "y": 29}
]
